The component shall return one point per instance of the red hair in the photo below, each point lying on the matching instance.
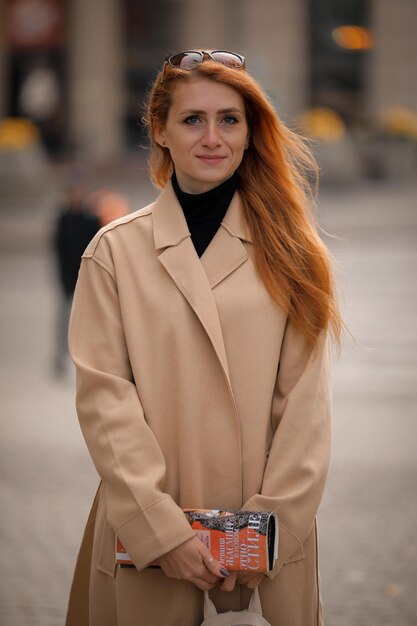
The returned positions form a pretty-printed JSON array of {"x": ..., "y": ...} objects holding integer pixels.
[{"x": 291, "y": 259}]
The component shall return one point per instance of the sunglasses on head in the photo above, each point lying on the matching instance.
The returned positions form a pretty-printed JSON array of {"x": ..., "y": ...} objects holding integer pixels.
[{"x": 189, "y": 59}]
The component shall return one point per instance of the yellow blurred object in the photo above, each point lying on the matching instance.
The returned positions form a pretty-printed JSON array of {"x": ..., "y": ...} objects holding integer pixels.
[
  {"x": 17, "y": 133},
  {"x": 323, "y": 124},
  {"x": 353, "y": 37},
  {"x": 399, "y": 121}
]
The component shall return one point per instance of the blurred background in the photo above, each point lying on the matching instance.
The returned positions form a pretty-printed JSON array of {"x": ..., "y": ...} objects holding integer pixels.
[{"x": 74, "y": 76}]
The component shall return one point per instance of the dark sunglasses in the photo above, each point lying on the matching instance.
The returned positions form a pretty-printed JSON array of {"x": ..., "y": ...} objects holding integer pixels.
[{"x": 189, "y": 59}]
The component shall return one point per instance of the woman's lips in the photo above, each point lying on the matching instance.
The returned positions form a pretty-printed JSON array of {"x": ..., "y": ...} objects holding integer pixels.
[{"x": 210, "y": 159}]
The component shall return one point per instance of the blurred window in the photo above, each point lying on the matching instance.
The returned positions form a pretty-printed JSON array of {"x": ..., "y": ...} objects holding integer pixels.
[
  {"x": 340, "y": 39},
  {"x": 151, "y": 28}
]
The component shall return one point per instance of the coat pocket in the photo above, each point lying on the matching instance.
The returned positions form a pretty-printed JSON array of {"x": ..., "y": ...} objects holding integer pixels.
[
  {"x": 298, "y": 553},
  {"x": 104, "y": 536},
  {"x": 297, "y": 556}
]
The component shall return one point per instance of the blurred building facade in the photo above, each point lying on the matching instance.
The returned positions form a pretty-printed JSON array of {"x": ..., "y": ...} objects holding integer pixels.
[{"x": 81, "y": 69}]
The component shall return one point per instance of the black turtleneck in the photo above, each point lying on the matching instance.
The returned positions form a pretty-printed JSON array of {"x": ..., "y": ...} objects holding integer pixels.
[{"x": 205, "y": 211}]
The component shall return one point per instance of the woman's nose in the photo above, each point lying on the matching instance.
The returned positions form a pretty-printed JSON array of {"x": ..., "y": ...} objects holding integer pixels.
[{"x": 212, "y": 137}]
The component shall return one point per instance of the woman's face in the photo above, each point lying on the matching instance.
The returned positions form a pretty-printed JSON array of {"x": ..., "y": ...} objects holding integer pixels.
[{"x": 206, "y": 133}]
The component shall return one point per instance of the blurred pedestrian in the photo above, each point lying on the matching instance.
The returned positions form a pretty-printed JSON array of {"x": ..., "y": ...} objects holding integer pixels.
[
  {"x": 108, "y": 205},
  {"x": 75, "y": 226},
  {"x": 200, "y": 333}
]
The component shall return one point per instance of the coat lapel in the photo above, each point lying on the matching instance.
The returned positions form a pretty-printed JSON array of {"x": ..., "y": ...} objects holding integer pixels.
[
  {"x": 178, "y": 256},
  {"x": 183, "y": 265},
  {"x": 195, "y": 277},
  {"x": 226, "y": 252}
]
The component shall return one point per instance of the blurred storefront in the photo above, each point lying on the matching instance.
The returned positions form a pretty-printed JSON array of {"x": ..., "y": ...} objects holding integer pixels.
[
  {"x": 34, "y": 81},
  {"x": 81, "y": 69}
]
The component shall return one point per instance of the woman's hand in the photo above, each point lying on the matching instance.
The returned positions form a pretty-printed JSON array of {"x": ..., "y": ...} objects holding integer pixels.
[
  {"x": 250, "y": 580},
  {"x": 228, "y": 584},
  {"x": 193, "y": 562}
]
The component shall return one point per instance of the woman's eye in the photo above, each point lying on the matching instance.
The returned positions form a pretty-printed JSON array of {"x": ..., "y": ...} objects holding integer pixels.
[
  {"x": 230, "y": 119},
  {"x": 192, "y": 120}
]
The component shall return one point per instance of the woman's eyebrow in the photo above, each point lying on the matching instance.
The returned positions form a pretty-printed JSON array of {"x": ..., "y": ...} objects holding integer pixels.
[
  {"x": 231, "y": 110},
  {"x": 201, "y": 112},
  {"x": 192, "y": 112}
]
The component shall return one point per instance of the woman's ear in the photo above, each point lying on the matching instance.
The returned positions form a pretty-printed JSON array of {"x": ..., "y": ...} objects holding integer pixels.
[{"x": 159, "y": 136}]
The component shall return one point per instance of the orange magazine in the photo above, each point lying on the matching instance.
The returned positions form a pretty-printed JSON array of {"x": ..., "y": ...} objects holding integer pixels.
[{"x": 239, "y": 540}]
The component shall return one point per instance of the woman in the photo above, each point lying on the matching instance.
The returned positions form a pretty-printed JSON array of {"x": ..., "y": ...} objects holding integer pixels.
[{"x": 199, "y": 333}]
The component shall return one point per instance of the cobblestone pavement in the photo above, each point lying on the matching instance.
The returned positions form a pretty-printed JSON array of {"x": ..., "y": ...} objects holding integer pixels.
[{"x": 368, "y": 520}]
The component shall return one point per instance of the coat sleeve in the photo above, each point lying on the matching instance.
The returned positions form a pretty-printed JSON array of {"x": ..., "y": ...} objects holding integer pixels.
[
  {"x": 298, "y": 460},
  {"x": 124, "y": 450}
]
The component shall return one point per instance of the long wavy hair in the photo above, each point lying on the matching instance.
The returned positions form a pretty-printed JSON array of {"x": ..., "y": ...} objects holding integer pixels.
[{"x": 277, "y": 197}]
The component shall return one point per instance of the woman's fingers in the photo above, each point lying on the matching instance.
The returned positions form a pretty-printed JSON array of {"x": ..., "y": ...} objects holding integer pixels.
[
  {"x": 203, "y": 584},
  {"x": 193, "y": 562},
  {"x": 228, "y": 583},
  {"x": 214, "y": 566},
  {"x": 250, "y": 580}
]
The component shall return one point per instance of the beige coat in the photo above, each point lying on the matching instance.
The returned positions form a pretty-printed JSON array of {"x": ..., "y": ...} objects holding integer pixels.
[{"x": 193, "y": 390}]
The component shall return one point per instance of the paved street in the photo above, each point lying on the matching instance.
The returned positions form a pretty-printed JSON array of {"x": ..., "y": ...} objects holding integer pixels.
[{"x": 368, "y": 520}]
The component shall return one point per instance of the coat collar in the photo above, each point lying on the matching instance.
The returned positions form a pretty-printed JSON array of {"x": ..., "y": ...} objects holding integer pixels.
[
  {"x": 234, "y": 221},
  {"x": 170, "y": 226},
  {"x": 196, "y": 278}
]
